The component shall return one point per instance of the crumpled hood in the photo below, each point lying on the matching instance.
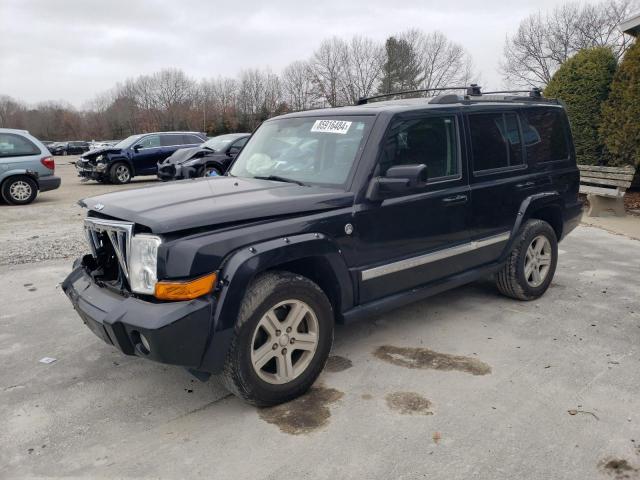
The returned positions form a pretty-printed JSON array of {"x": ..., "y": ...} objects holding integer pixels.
[
  {"x": 184, "y": 154},
  {"x": 99, "y": 151},
  {"x": 207, "y": 202}
]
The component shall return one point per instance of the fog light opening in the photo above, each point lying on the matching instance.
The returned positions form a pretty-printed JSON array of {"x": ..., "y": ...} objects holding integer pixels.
[{"x": 140, "y": 342}]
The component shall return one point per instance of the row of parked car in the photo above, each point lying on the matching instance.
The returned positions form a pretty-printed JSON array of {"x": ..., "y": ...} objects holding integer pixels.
[
  {"x": 27, "y": 165},
  {"x": 169, "y": 155}
]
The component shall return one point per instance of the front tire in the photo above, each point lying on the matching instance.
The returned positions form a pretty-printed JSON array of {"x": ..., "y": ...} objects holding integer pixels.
[
  {"x": 19, "y": 190},
  {"x": 531, "y": 265},
  {"x": 282, "y": 340},
  {"x": 120, "y": 173}
]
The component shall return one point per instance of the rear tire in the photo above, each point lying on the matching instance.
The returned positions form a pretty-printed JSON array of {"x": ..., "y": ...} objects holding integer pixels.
[
  {"x": 282, "y": 339},
  {"x": 19, "y": 190},
  {"x": 531, "y": 265},
  {"x": 120, "y": 173}
]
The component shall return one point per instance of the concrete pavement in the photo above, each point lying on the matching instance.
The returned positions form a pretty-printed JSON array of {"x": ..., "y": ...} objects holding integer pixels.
[{"x": 560, "y": 399}]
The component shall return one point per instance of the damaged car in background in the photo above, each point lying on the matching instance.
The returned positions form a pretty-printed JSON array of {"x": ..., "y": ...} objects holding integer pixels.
[
  {"x": 135, "y": 155},
  {"x": 210, "y": 159}
]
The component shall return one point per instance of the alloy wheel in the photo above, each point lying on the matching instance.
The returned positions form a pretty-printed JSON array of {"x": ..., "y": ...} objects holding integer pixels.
[
  {"x": 122, "y": 173},
  {"x": 537, "y": 261},
  {"x": 20, "y": 191},
  {"x": 284, "y": 342}
]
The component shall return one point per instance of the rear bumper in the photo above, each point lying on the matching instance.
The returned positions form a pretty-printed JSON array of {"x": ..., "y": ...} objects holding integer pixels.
[
  {"x": 571, "y": 217},
  {"x": 177, "y": 332},
  {"x": 50, "y": 182}
]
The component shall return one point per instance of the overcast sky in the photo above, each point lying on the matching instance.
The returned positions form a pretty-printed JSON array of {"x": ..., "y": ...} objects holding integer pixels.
[{"x": 71, "y": 50}]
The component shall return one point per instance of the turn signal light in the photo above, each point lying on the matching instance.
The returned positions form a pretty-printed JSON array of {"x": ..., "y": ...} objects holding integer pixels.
[{"x": 185, "y": 290}]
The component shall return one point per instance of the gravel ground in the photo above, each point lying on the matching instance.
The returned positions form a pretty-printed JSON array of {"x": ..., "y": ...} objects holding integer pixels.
[{"x": 51, "y": 227}]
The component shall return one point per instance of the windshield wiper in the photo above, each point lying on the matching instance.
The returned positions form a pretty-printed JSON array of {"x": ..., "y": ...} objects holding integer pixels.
[{"x": 281, "y": 179}]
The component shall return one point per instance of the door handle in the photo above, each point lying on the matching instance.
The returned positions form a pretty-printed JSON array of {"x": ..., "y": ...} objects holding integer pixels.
[
  {"x": 525, "y": 185},
  {"x": 456, "y": 199}
]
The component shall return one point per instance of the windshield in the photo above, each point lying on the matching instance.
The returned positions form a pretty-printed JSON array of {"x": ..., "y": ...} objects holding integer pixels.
[
  {"x": 305, "y": 149},
  {"x": 127, "y": 142},
  {"x": 219, "y": 143}
]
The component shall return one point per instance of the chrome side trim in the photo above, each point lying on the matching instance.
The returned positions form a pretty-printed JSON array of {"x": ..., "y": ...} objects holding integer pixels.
[{"x": 433, "y": 257}]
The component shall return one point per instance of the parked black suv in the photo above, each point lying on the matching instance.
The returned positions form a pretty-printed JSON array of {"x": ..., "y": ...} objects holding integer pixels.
[
  {"x": 212, "y": 158},
  {"x": 135, "y": 155},
  {"x": 328, "y": 215},
  {"x": 68, "y": 148}
]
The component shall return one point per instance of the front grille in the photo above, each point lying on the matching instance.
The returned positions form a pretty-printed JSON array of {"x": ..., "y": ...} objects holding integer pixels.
[{"x": 110, "y": 242}]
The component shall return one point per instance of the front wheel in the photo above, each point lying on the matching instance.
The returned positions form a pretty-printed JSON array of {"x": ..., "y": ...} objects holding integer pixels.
[
  {"x": 282, "y": 339},
  {"x": 530, "y": 267},
  {"x": 120, "y": 173}
]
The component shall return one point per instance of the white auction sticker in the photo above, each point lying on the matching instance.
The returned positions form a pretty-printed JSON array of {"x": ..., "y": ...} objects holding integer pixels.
[{"x": 331, "y": 126}]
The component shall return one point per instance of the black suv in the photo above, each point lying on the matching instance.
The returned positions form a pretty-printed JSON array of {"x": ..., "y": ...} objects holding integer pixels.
[
  {"x": 135, "y": 155},
  {"x": 69, "y": 148},
  {"x": 329, "y": 216}
]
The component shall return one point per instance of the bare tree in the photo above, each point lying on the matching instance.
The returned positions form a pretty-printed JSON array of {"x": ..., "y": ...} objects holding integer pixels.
[
  {"x": 327, "y": 65},
  {"x": 298, "y": 87},
  {"x": 443, "y": 62},
  {"x": 544, "y": 41},
  {"x": 363, "y": 59}
]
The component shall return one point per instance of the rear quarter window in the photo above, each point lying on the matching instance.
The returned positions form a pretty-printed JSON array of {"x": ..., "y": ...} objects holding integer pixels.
[
  {"x": 12, "y": 145},
  {"x": 545, "y": 135}
]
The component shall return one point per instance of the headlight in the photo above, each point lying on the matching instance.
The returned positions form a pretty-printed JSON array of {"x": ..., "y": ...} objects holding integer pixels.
[
  {"x": 143, "y": 263},
  {"x": 99, "y": 158}
]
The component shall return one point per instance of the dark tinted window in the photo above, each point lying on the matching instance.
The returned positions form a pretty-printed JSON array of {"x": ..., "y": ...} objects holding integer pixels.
[
  {"x": 16, "y": 146},
  {"x": 170, "y": 140},
  {"x": 240, "y": 143},
  {"x": 495, "y": 141},
  {"x": 192, "y": 140},
  {"x": 430, "y": 140},
  {"x": 152, "y": 141},
  {"x": 545, "y": 135}
]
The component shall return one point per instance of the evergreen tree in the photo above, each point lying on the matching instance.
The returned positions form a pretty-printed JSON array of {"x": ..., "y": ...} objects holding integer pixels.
[
  {"x": 401, "y": 69},
  {"x": 620, "y": 128},
  {"x": 583, "y": 83}
]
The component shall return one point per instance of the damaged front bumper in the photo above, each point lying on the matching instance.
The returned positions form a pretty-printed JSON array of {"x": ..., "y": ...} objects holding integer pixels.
[
  {"x": 175, "y": 333},
  {"x": 89, "y": 170}
]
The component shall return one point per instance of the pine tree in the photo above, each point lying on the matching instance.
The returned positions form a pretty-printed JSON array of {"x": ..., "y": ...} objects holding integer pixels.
[{"x": 401, "y": 69}]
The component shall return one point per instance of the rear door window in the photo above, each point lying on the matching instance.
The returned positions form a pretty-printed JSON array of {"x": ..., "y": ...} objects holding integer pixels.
[
  {"x": 495, "y": 141},
  {"x": 545, "y": 135},
  {"x": 171, "y": 140},
  {"x": 12, "y": 145},
  {"x": 192, "y": 140}
]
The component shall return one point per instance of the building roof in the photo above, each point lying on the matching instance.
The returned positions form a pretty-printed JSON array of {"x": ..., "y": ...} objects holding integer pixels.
[{"x": 631, "y": 26}]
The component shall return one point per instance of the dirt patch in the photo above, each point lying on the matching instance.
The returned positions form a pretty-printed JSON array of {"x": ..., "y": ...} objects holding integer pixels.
[
  {"x": 336, "y": 363},
  {"x": 366, "y": 396},
  {"x": 619, "y": 468},
  {"x": 409, "y": 403},
  {"x": 424, "y": 358},
  {"x": 304, "y": 414}
]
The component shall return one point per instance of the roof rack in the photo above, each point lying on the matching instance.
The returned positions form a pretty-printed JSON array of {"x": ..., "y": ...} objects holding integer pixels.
[
  {"x": 535, "y": 92},
  {"x": 472, "y": 90}
]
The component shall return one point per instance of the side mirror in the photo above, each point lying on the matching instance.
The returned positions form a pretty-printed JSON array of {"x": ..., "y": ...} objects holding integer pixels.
[
  {"x": 399, "y": 180},
  {"x": 233, "y": 151},
  {"x": 137, "y": 148}
]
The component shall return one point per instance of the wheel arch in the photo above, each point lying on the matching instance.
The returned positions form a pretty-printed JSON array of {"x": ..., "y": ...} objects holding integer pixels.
[{"x": 313, "y": 255}]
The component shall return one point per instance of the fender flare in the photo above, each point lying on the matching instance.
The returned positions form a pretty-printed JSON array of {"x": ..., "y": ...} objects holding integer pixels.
[
  {"x": 240, "y": 268},
  {"x": 124, "y": 159},
  {"x": 532, "y": 202}
]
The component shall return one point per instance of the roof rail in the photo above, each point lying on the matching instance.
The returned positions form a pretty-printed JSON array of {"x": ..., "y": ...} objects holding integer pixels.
[
  {"x": 472, "y": 90},
  {"x": 535, "y": 92}
]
